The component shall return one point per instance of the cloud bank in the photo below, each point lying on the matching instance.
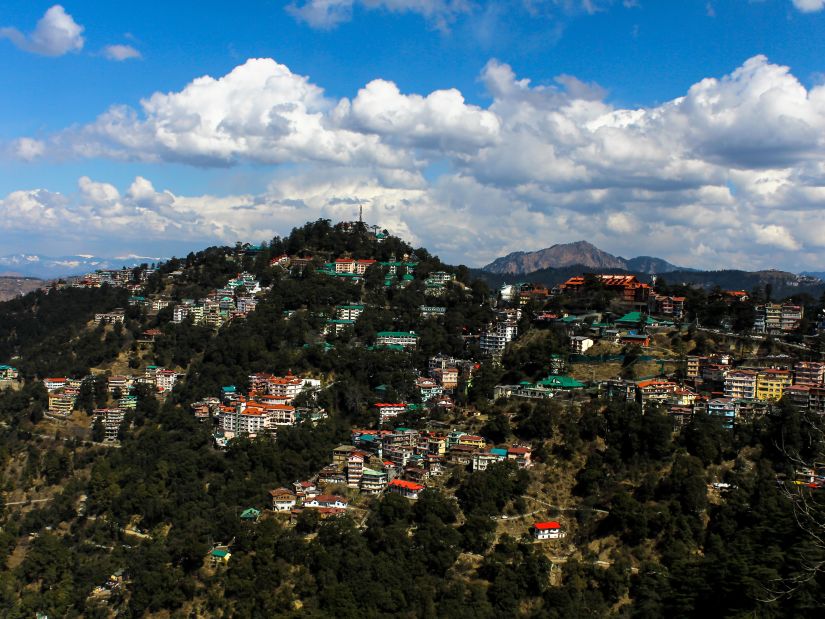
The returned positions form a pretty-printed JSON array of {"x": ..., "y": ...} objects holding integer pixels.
[{"x": 732, "y": 173}]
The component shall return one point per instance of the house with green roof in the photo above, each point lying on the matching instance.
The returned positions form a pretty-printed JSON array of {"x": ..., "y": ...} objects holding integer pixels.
[
  {"x": 250, "y": 514},
  {"x": 560, "y": 383},
  {"x": 219, "y": 556}
]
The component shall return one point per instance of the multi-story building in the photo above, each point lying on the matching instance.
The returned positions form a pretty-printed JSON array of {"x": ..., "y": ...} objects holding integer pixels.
[
  {"x": 121, "y": 383},
  {"x": 349, "y": 312},
  {"x": 373, "y": 481},
  {"x": 725, "y": 408},
  {"x": 798, "y": 396},
  {"x": 777, "y": 318},
  {"x": 694, "y": 365},
  {"x": 809, "y": 373},
  {"x": 61, "y": 402},
  {"x": 667, "y": 305},
  {"x": 112, "y": 419},
  {"x": 355, "y": 469},
  {"x": 440, "y": 277},
  {"x": 243, "y": 420},
  {"x": 387, "y": 410},
  {"x": 283, "y": 499},
  {"x": 816, "y": 400},
  {"x": 428, "y": 388},
  {"x": 165, "y": 380},
  {"x": 495, "y": 338},
  {"x": 579, "y": 344},
  {"x": 791, "y": 317},
  {"x": 771, "y": 383},
  {"x": 52, "y": 384},
  {"x": 397, "y": 338},
  {"x": 654, "y": 391},
  {"x": 446, "y": 377},
  {"x": 399, "y": 455},
  {"x": 740, "y": 384}
]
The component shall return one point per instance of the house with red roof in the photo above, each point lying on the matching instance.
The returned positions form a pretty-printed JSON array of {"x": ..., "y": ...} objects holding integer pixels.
[
  {"x": 408, "y": 489},
  {"x": 547, "y": 530},
  {"x": 283, "y": 499}
]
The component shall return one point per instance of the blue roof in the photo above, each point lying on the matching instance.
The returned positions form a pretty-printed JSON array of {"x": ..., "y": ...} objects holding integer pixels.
[{"x": 498, "y": 451}]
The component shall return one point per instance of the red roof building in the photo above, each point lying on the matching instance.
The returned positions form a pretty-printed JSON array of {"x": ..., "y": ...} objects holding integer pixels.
[{"x": 408, "y": 489}]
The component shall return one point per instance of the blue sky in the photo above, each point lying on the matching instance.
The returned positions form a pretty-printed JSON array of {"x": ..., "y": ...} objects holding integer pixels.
[{"x": 473, "y": 128}]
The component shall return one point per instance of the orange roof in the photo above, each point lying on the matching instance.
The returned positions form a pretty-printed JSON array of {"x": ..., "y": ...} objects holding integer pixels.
[
  {"x": 406, "y": 485},
  {"x": 651, "y": 383}
]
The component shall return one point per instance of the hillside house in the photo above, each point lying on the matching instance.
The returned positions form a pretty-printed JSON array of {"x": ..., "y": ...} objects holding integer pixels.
[
  {"x": 283, "y": 499},
  {"x": 547, "y": 530},
  {"x": 407, "y": 489}
]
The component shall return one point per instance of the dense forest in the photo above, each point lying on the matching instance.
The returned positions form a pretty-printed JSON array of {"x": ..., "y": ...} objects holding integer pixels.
[{"x": 649, "y": 535}]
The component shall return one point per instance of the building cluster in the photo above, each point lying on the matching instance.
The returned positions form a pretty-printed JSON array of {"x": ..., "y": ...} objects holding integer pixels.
[
  {"x": 270, "y": 403},
  {"x": 8, "y": 372},
  {"x": 235, "y": 300},
  {"x": 500, "y": 332},
  {"x": 435, "y": 284},
  {"x": 627, "y": 288},
  {"x": 63, "y": 391},
  {"x": 132, "y": 279},
  {"x": 396, "y": 272},
  {"x": 716, "y": 386}
]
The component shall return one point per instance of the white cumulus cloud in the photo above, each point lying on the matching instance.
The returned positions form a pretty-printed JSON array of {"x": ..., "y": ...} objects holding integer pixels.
[
  {"x": 730, "y": 173},
  {"x": 56, "y": 34}
]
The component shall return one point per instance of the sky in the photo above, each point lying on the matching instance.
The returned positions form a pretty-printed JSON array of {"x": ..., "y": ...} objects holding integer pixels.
[{"x": 692, "y": 131}]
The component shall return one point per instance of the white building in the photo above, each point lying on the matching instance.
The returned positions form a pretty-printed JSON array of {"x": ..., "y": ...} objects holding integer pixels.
[
  {"x": 547, "y": 530},
  {"x": 399, "y": 338},
  {"x": 579, "y": 344}
]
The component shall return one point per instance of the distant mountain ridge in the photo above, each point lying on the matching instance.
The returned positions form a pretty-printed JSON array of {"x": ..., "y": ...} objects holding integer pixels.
[
  {"x": 578, "y": 253},
  {"x": 50, "y": 267}
]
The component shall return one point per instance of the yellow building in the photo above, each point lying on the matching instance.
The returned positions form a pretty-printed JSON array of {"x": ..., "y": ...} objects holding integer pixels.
[
  {"x": 471, "y": 440},
  {"x": 771, "y": 384},
  {"x": 61, "y": 402}
]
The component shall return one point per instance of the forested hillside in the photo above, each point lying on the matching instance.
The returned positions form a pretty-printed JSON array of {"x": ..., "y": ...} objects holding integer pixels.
[{"x": 659, "y": 521}]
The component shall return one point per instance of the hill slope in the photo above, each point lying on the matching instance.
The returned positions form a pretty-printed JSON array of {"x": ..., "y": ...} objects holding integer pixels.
[{"x": 569, "y": 254}]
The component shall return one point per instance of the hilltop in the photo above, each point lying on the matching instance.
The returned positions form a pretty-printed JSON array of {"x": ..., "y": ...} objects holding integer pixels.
[{"x": 580, "y": 253}]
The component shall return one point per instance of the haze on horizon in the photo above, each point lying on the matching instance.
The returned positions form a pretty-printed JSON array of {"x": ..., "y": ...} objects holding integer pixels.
[{"x": 472, "y": 128}]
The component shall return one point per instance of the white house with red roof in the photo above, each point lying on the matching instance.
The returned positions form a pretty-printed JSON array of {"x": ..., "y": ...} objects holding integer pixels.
[
  {"x": 547, "y": 530},
  {"x": 389, "y": 410},
  {"x": 408, "y": 489}
]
